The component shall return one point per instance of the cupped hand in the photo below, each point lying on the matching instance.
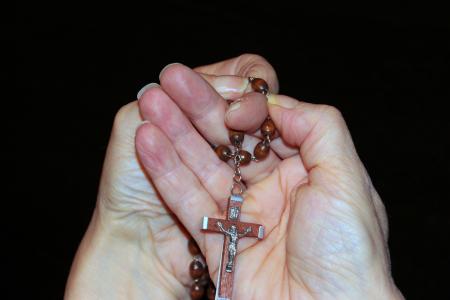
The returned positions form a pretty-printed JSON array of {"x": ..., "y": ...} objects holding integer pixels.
[
  {"x": 128, "y": 250},
  {"x": 326, "y": 227}
]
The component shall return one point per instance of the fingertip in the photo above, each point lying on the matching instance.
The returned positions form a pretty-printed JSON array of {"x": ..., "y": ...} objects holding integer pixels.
[
  {"x": 289, "y": 120},
  {"x": 274, "y": 113},
  {"x": 147, "y": 97},
  {"x": 169, "y": 66},
  {"x": 144, "y": 102},
  {"x": 153, "y": 104},
  {"x": 188, "y": 89},
  {"x": 146, "y": 88},
  {"x": 281, "y": 101},
  {"x": 279, "y": 107},
  {"x": 173, "y": 73},
  {"x": 247, "y": 113},
  {"x": 272, "y": 99},
  {"x": 195, "y": 97}
]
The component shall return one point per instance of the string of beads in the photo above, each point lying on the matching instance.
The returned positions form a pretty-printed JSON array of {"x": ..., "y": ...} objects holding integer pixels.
[
  {"x": 203, "y": 287},
  {"x": 262, "y": 149}
]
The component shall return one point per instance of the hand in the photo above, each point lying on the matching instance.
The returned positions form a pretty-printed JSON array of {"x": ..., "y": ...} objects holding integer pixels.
[
  {"x": 326, "y": 227},
  {"x": 128, "y": 249}
]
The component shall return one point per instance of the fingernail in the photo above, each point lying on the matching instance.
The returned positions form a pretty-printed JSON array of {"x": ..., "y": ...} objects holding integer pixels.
[
  {"x": 146, "y": 87},
  {"x": 162, "y": 71},
  {"x": 272, "y": 99},
  {"x": 234, "y": 106}
]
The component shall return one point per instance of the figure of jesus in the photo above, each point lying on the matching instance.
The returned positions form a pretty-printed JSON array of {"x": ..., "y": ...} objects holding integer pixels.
[{"x": 232, "y": 247}]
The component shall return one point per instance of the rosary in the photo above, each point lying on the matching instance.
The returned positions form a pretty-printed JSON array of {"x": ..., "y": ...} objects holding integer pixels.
[{"x": 231, "y": 227}]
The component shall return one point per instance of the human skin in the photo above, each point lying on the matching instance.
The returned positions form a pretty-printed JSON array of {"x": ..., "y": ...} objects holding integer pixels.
[{"x": 326, "y": 227}]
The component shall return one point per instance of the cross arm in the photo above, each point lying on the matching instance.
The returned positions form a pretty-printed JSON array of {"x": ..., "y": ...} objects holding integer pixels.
[{"x": 210, "y": 224}]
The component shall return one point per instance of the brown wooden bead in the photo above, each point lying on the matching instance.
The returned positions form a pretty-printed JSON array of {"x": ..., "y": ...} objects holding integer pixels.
[
  {"x": 196, "y": 269},
  {"x": 236, "y": 137},
  {"x": 268, "y": 128},
  {"x": 211, "y": 292},
  {"x": 261, "y": 150},
  {"x": 197, "y": 291},
  {"x": 244, "y": 157},
  {"x": 223, "y": 152},
  {"x": 205, "y": 279},
  {"x": 260, "y": 85},
  {"x": 193, "y": 247}
]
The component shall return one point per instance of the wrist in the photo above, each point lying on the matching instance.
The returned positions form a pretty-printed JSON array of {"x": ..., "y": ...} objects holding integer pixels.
[
  {"x": 391, "y": 292},
  {"x": 110, "y": 257},
  {"x": 385, "y": 288}
]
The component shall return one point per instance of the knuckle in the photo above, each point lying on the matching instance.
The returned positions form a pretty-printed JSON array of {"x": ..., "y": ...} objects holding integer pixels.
[
  {"x": 249, "y": 61},
  {"x": 332, "y": 114},
  {"x": 122, "y": 116},
  {"x": 122, "y": 113},
  {"x": 252, "y": 57},
  {"x": 331, "y": 111},
  {"x": 258, "y": 66}
]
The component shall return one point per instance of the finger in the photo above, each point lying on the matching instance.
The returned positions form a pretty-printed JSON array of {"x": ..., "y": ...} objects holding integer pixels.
[
  {"x": 247, "y": 113},
  {"x": 282, "y": 149},
  {"x": 328, "y": 154},
  {"x": 189, "y": 201},
  {"x": 161, "y": 162},
  {"x": 254, "y": 104},
  {"x": 246, "y": 65},
  {"x": 206, "y": 110},
  {"x": 338, "y": 189},
  {"x": 194, "y": 151},
  {"x": 229, "y": 87},
  {"x": 126, "y": 121},
  {"x": 202, "y": 105}
]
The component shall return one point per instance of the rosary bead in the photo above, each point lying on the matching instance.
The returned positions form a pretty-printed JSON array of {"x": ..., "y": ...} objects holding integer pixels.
[
  {"x": 244, "y": 157},
  {"x": 196, "y": 269},
  {"x": 236, "y": 137},
  {"x": 268, "y": 128},
  {"x": 205, "y": 279},
  {"x": 223, "y": 152},
  {"x": 193, "y": 247},
  {"x": 261, "y": 150},
  {"x": 211, "y": 292},
  {"x": 197, "y": 291},
  {"x": 260, "y": 85}
]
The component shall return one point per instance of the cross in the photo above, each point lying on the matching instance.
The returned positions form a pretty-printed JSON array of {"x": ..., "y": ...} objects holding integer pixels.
[{"x": 233, "y": 230}]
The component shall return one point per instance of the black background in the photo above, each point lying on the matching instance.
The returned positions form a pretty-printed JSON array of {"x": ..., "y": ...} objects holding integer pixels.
[{"x": 387, "y": 70}]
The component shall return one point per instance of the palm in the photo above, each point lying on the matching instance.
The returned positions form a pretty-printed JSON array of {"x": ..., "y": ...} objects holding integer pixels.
[
  {"x": 268, "y": 202},
  {"x": 314, "y": 246}
]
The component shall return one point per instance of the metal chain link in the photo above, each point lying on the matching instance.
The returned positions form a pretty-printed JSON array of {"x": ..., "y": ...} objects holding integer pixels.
[{"x": 237, "y": 188}]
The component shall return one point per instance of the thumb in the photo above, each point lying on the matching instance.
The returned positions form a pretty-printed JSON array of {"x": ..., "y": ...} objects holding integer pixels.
[
  {"x": 245, "y": 65},
  {"x": 123, "y": 184},
  {"x": 327, "y": 152},
  {"x": 336, "y": 205},
  {"x": 322, "y": 138}
]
